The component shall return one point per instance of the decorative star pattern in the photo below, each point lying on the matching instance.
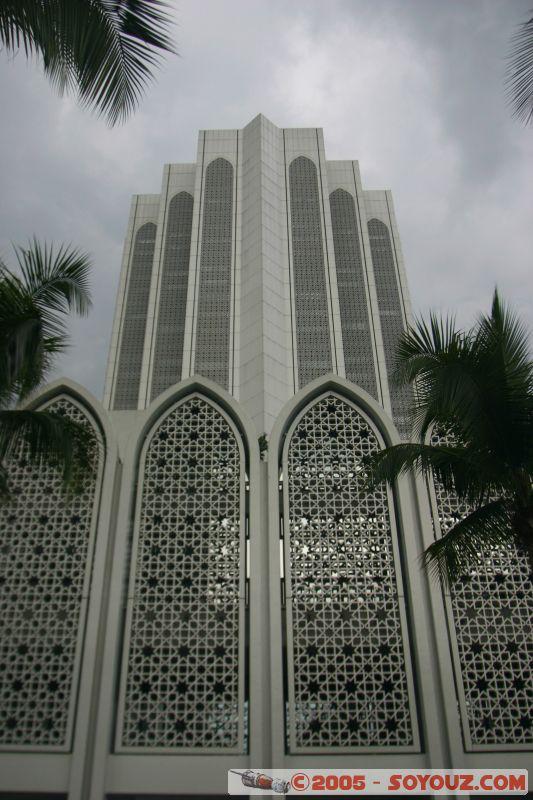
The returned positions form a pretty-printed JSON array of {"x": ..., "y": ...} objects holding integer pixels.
[
  {"x": 492, "y": 609},
  {"x": 182, "y": 686},
  {"x": 350, "y": 672},
  {"x": 46, "y": 542}
]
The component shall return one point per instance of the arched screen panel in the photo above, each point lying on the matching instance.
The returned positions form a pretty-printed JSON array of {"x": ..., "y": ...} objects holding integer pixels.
[
  {"x": 490, "y": 612},
  {"x": 182, "y": 685},
  {"x": 350, "y": 683},
  {"x": 47, "y": 541}
]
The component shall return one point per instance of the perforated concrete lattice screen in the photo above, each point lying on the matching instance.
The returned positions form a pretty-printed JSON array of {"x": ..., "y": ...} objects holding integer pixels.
[
  {"x": 310, "y": 296},
  {"x": 491, "y": 616},
  {"x": 214, "y": 294},
  {"x": 168, "y": 353},
  {"x": 46, "y": 543},
  {"x": 390, "y": 315},
  {"x": 134, "y": 323},
  {"x": 183, "y": 675},
  {"x": 355, "y": 323},
  {"x": 343, "y": 605}
]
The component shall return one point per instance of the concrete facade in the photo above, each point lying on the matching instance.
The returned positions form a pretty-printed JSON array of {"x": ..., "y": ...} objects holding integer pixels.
[
  {"x": 262, "y": 284},
  {"x": 201, "y": 607}
]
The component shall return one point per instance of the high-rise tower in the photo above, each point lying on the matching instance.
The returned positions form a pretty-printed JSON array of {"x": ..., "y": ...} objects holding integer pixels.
[
  {"x": 206, "y": 603},
  {"x": 262, "y": 267}
]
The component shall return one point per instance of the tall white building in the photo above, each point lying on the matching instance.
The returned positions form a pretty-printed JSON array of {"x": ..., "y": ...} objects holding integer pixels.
[
  {"x": 261, "y": 267},
  {"x": 200, "y": 607}
]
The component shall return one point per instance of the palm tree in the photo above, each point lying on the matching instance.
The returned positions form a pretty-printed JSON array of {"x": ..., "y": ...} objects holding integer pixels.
[
  {"x": 104, "y": 49},
  {"x": 32, "y": 334},
  {"x": 519, "y": 79},
  {"x": 477, "y": 388}
]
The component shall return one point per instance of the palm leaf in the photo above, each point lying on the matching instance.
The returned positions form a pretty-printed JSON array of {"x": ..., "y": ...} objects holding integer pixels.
[
  {"x": 519, "y": 74},
  {"x": 57, "y": 282},
  {"x": 441, "y": 361},
  {"x": 32, "y": 307},
  {"x": 105, "y": 49},
  {"x": 460, "y": 549},
  {"x": 46, "y": 437},
  {"x": 472, "y": 476}
]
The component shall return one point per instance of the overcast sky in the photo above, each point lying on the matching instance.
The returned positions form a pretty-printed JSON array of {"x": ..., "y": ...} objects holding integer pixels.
[{"x": 413, "y": 89}]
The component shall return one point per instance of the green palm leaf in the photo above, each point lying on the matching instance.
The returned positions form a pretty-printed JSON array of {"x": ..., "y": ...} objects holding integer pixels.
[
  {"x": 104, "y": 49},
  {"x": 33, "y": 305},
  {"x": 474, "y": 395},
  {"x": 519, "y": 77},
  {"x": 45, "y": 437},
  {"x": 463, "y": 547},
  {"x": 32, "y": 310}
]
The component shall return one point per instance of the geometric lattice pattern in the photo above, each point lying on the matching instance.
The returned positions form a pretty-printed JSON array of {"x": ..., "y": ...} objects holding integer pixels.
[
  {"x": 492, "y": 611},
  {"x": 214, "y": 294},
  {"x": 46, "y": 543},
  {"x": 183, "y": 674},
  {"x": 348, "y": 670},
  {"x": 168, "y": 352},
  {"x": 356, "y": 331},
  {"x": 134, "y": 319},
  {"x": 391, "y": 319},
  {"x": 309, "y": 273}
]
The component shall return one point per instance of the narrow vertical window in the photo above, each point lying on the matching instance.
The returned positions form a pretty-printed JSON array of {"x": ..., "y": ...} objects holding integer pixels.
[
  {"x": 391, "y": 318},
  {"x": 353, "y": 305},
  {"x": 134, "y": 324},
  {"x": 168, "y": 355},
  {"x": 214, "y": 293},
  {"x": 309, "y": 273}
]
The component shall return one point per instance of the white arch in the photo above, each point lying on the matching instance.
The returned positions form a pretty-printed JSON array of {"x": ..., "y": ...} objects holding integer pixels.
[
  {"x": 95, "y": 602},
  {"x": 70, "y": 388},
  {"x": 416, "y": 584},
  {"x": 146, "y": 419},
  {"x": 320, "y": 386},
  {"x": 140, "y": 426}
]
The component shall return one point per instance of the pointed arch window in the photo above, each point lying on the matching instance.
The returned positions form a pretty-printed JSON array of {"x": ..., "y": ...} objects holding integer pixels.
[
  {"x": 134, "y": 324},
  {"x": 309, "y": 273},
  {"x": 490, "y": 612},
  {"x": 168, "y": 355},
  {"x": 212, "y": 357},
  {"x": 350, "y": 683},
  {"x": 47, "y": 541},
  {"x": 391, "y": 318},
  {"x": 183, "y": 671},
  {"x": 353, "y": 303}
]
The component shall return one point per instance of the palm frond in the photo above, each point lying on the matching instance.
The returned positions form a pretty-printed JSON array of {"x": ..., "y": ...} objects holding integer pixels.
[
  {"x": 422, "y": 346},
  {"x": 46, "y": 437},
  {"x": 519, "y": 73},
  {"x": 105, "y": 49},
  {"x": 56, "y": 281},
  {"x": 441, "y": 361},
  {"x": 460, "y": 549},
  {"x": 19, "y": 20},
  {"x": 463, "y": 471},
  {"x": 505, "y": 362},
  {"x": 32, "y": 307}
]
